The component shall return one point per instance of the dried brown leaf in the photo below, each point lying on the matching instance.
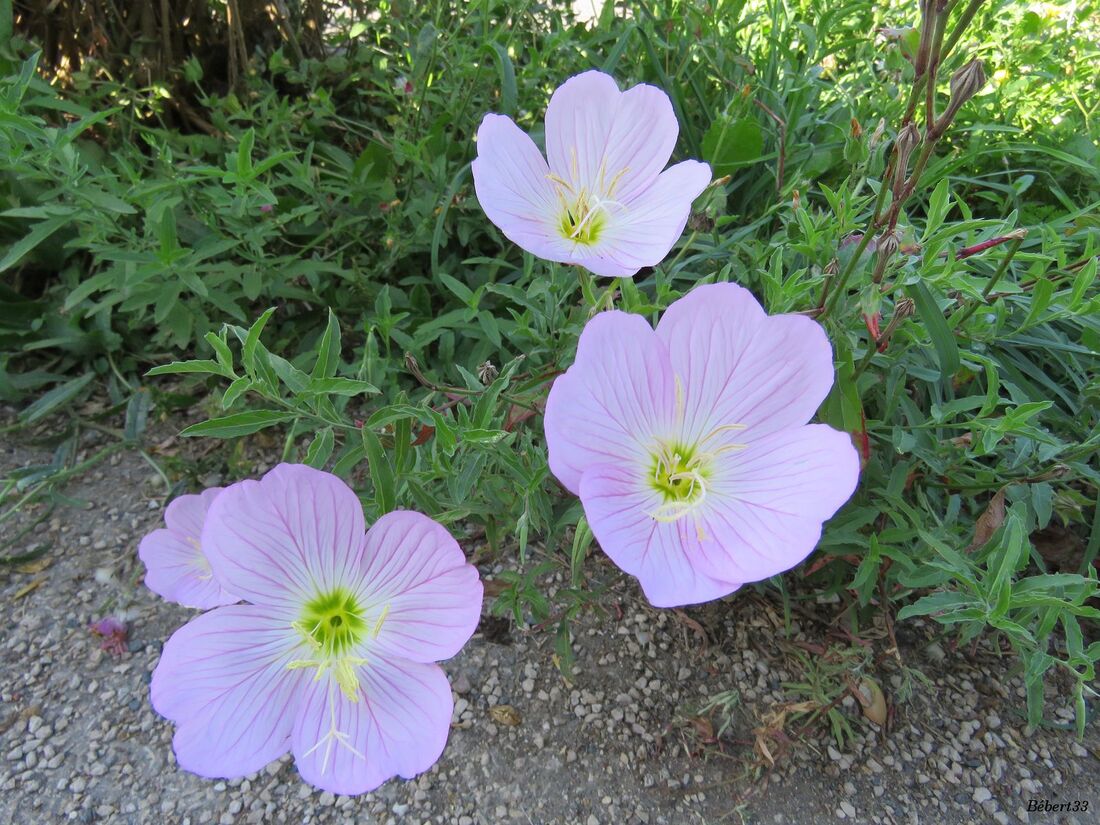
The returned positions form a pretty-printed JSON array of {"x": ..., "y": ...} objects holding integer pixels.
[
  {"x": 989, "y": 521},
  {"x": 505, "y": 715}
]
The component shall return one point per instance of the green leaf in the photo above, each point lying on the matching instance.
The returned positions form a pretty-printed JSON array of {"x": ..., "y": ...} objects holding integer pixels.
[
  {"x": 320, "y": 448},
  {"x": 352, "y": 455},
  {"x": 252, "y": 340},
  {"x": 508, "y": 91},
  {"x": 732, "y": 143},
  {"x": 221, "y": 349},
  {"x": 55, "y": 398},
  {"x": 937, "y": 207},
  {"x": 235, "y": 390},
  {"x": 582, "y": 540},
  {"x": 328, "y": 352},
  {"x": 200, "y": 366},
  {"x": 295, "y": 380},
  {"x": 381, "y": 472},
  {"x": 137, "y": 414},
  {"x": 244, "y": 155},
  {"x": 943, "y": 340},
  {"x": 942, "y": 602},
  {"x": 339, "y": 386},
  {"x": 238, "y": 424},
  {"x": 39, "y": 233}
]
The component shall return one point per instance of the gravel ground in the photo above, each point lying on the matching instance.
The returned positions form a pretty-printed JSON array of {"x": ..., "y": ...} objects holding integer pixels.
[{"x": 625, "y": 741}]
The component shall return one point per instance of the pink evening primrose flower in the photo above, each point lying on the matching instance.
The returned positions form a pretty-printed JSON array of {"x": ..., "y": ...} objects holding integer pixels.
[
  {"x": 332, "y": 658},
  {"x": 689, "y": 445},
  {"x": 602, "y": 201},
  {"x": 175, "y": 565}
]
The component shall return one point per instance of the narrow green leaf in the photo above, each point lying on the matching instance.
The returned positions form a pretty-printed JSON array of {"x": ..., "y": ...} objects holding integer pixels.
[
  {"x": 55, "y": 398},
  {"x": 320, "y": 449},
  {"x": 238, "y": 424},
  {"x": 380, "y": 471},
  {"x": 508, "y": 91},
  {"x": 200, "y": 366},
  {"x": 328, "y": 352},
  {"x": 582, "y": 540},
  {"x": 244, "y": 155},
  {"x": 39, "y": 233},
  {"x": 943, "y": 340},
  {"x": 137, "y": 414},
  {"x": 248, "y": 353},
  {"x": 339, "y": 386}
]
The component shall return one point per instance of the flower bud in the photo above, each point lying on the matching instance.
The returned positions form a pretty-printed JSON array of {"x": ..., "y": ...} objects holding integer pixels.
[
  {"x": 907, "y": 140},
  {"x": 888, "y": 244},
  {"x": 904, "y": 308},
  {"x": 966, "y": 83}
]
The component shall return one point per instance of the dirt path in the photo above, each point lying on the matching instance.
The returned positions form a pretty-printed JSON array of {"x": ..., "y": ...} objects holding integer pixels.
[{"x": 623, "y": 743}]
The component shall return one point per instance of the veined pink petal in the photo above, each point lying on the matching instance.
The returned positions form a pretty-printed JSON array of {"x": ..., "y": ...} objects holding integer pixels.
[
  {"x": 740, "y": 366},
  {"x": 579, "y": 120},
  {"x": 666, "y": 557},
  {"x": 616, "y": 398},
  {"x": 281, "y": 540},
  {"x": 175, "y": 565},
  {"x": 643, "y": 230},
  {"x": 185, "y": 515},
  {"x": 764, "y": 508},
  {"x": 643, "y": 135},
  {"x": 398, "y": 726},
  {"x": 222, "y": 678},
  {"x": 512, "y": 185},
  {"x": 416, "y": 582}
]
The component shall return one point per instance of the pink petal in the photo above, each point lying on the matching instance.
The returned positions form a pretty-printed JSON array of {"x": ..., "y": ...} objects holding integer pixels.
[
  {"x": 641, "y": 140},
  {"x": 416, "y": 572},
  {"x": 222, "y": 678},
  {"x": 176, "y": 567},
  {"x": 398, "y": 726},
  {"x": 579, "y": 121},
  {"x": 764, "y": 508},
  {"x": 510, "y": 179},
  {"x": 642, "y": 231},
  {"x": 740, "y": 366},
  {"x": 284, "y": 538},
  {"x": 667, "y": 558},
  {"x": 616, "y": 399}
]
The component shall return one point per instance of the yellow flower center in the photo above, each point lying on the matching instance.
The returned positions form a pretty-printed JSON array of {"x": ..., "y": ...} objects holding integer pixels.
[
  {"x": 333, "y": 625},
  {"x": 680, "y": 472},
  {"x": 582, "y": 216}
]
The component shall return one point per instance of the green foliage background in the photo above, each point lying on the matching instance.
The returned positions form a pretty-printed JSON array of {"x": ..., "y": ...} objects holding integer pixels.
[{"x": 307, "y": 249}]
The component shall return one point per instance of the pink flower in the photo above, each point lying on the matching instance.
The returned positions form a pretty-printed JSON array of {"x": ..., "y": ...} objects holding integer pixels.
[
  {"x": 112, "y": 634},
  {"x": 175, "y": 565},
  {"x": 688, "y": 445},
  {"x": 602, "y": 201},
  {"x": 332, "y": 658}
]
